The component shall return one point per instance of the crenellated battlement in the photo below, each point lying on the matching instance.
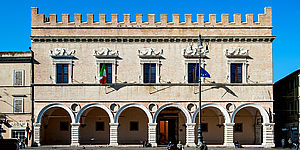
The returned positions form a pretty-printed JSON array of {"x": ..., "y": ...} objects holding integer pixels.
[{"x": 264, "y": 20}]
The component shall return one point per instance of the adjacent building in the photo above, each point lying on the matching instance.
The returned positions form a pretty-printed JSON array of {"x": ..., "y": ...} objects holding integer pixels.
[
  {"x": 151, "y": 92},
  {"x": 286, "y": 107},
  {"x": 15, "y": 94}
]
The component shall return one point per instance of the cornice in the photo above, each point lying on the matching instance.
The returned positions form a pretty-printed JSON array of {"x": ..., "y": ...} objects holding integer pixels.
[
  {"x": 130, "y": 39},
  {"x": 159, "y": 84},
  {"x": 153, "y": 27}
]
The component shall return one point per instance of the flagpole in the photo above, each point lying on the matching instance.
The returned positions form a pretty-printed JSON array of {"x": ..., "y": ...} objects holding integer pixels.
[{"x": 200, "y": 137}]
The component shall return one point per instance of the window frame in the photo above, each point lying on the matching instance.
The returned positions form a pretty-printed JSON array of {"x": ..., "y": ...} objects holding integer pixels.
[
  {"x": 157, "y": 63},
  {"x": 240, "y": 129},
  {"x": 193, "y": 61},
  {"x": 235, "y": 73},
  {"x": 70, "y": 70},
  {"x": 245, "y": 65},
  {"x": 62, "y": 73},
  {"x": 113, "y": 63},
  {"x": 99, "y": 129},
  {"x": 150, "y": 73},
  {"x": 131, "y": 126},
  {"x": 22, "y": 104},
  {"x": 22, "y": 76},
  {"x": 61, "y": 127}
]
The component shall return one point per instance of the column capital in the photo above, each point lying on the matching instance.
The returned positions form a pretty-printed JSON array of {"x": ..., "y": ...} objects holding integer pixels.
[
  {"x": 152, "y": 124},
  {"x": 113, "y": 124},
  {"x": 37, "y": 124},
  {"x": 190, "y": 124},
  {"x": 75, "y": 124},
  {"x": 229, "y": 124},
  {"x": 268, "y": 124}
]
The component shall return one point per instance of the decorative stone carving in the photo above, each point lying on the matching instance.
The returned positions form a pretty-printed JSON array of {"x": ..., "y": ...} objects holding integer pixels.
[
  {"x": 106, "y": 52},
  {"x": 236, "y": 52},
  {"x": 149, "y": 52},
  {"x": 191, "y": 107},
  {"x": 152, "y": 107},
  {"x": 192, "y": 51},
  {"x": 62, "y": 52}
]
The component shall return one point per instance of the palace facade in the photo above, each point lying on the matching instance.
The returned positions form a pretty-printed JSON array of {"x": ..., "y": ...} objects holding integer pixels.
[
  {"x": 16, "y": 95},
  {"x": 151, "y": 92}
]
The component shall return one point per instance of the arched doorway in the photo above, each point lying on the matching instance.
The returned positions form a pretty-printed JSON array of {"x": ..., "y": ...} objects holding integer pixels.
[
  {"x": 55, "y": 127},
  {"x": 212, "y": 125},
  {"x": 171, "y": 122},
  {"x": 248, "y": 128},
  {"x": 94, "y": 126},
  {"x": 133, "y": 126}
]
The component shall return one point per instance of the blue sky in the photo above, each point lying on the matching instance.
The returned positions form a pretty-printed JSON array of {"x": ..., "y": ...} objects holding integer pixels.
[{"x": 15, "y": 20}]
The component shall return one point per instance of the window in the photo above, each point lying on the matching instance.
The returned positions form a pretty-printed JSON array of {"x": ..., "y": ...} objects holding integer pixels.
[
  {"x": 204, "y": 127},
  {"x": 149, "y": 73},
  {"x": 236, "y": 73},
  {"x": 193, "y": 76},
  {"x": 108, "y": 69},
  {"x": 64, "y": 126},
  {"x": 18, "y": 104},
  {"x": 18, "y": 77},
  {"x": 134, "y": 126},
  {"x": 238, "y": 127},
  {"x": 62, "y": 75},
  {"x": 19, "y": 134},
  {"x": 99, "y": 126}
]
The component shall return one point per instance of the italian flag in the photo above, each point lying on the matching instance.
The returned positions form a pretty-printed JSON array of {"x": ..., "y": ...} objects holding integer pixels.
[{"x": 102, "y": 78}]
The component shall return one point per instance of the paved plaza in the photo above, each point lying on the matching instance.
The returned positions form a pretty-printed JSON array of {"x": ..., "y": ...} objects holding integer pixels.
[{"x": 131, "y": 148}]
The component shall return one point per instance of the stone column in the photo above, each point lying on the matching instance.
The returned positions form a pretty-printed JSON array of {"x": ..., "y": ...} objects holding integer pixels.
[
  {"x": 152, "y": 134},
  {"x": 37, "y": 133},
  {"x": 268, "y": 135},
  {"x": 228, "y": 134},
  {"x": 190, "y": 134},
  {"x": 75, "y": 134},
  {"x": 113, "y": 139}
]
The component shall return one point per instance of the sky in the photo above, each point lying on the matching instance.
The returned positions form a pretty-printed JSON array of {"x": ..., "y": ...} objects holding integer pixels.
[{"x": 15, "y": 20}]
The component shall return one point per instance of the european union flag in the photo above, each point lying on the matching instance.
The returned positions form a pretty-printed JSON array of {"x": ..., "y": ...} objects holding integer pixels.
[{"x": 204, "y": 73}]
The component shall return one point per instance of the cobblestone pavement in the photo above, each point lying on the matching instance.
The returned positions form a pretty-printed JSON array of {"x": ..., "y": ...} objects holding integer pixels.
[{"x": 130, "y": 148}]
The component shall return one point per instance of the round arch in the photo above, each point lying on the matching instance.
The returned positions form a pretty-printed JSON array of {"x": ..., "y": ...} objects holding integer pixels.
[
  {"x": 53, "y": 106},
  {"x": 222, "y": 109},
  {"x": 262, "y": 111},
  {"x": 183, "y": 109},
  {"x": 133, "y": 105},
  {"x": 83, "y": 109}
]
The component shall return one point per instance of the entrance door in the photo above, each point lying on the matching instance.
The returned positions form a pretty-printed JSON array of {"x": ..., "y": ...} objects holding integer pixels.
[{"x": 167, "y": 131}]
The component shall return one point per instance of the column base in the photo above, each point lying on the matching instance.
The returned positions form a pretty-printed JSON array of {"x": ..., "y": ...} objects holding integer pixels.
[
  {"x": 190, "y": 145},
  {"x": 153, "y": 144},
  {"x": 113, "y": 144},
  {"x": 268, "y": 145},
  {"x": 229, "y": 145},
  {"x": 75, "y": 144}
]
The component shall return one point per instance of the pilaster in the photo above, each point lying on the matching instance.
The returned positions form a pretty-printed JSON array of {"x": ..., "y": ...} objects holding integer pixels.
[
  {"x": 190, "y": 134},
  {"x": 152, "y": 134},
  {"x": 75, "y": 134},
  {"x": 268, "y": 135},
  {"x": 228, "y": 134},
  {"x": 113, "y": 139},
  {"x": 37, "y": 133}
]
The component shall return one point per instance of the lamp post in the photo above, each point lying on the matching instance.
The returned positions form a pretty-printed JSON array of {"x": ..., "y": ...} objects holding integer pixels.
[{"x": 200, "y": 137}]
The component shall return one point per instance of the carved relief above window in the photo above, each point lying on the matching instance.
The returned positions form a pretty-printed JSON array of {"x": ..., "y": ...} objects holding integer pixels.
[
  {"x": 192, "y": 52},
  {"x": 106, "y": 52},
  {"x": 62, "y": 52},
  {"x": 236, "y": 52},
  {"x": 237, "y": 64},
  {"x": 149, "y": 53},
  {"x": 109, "y": 57},
  {"x": 62, "y": 61}
]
